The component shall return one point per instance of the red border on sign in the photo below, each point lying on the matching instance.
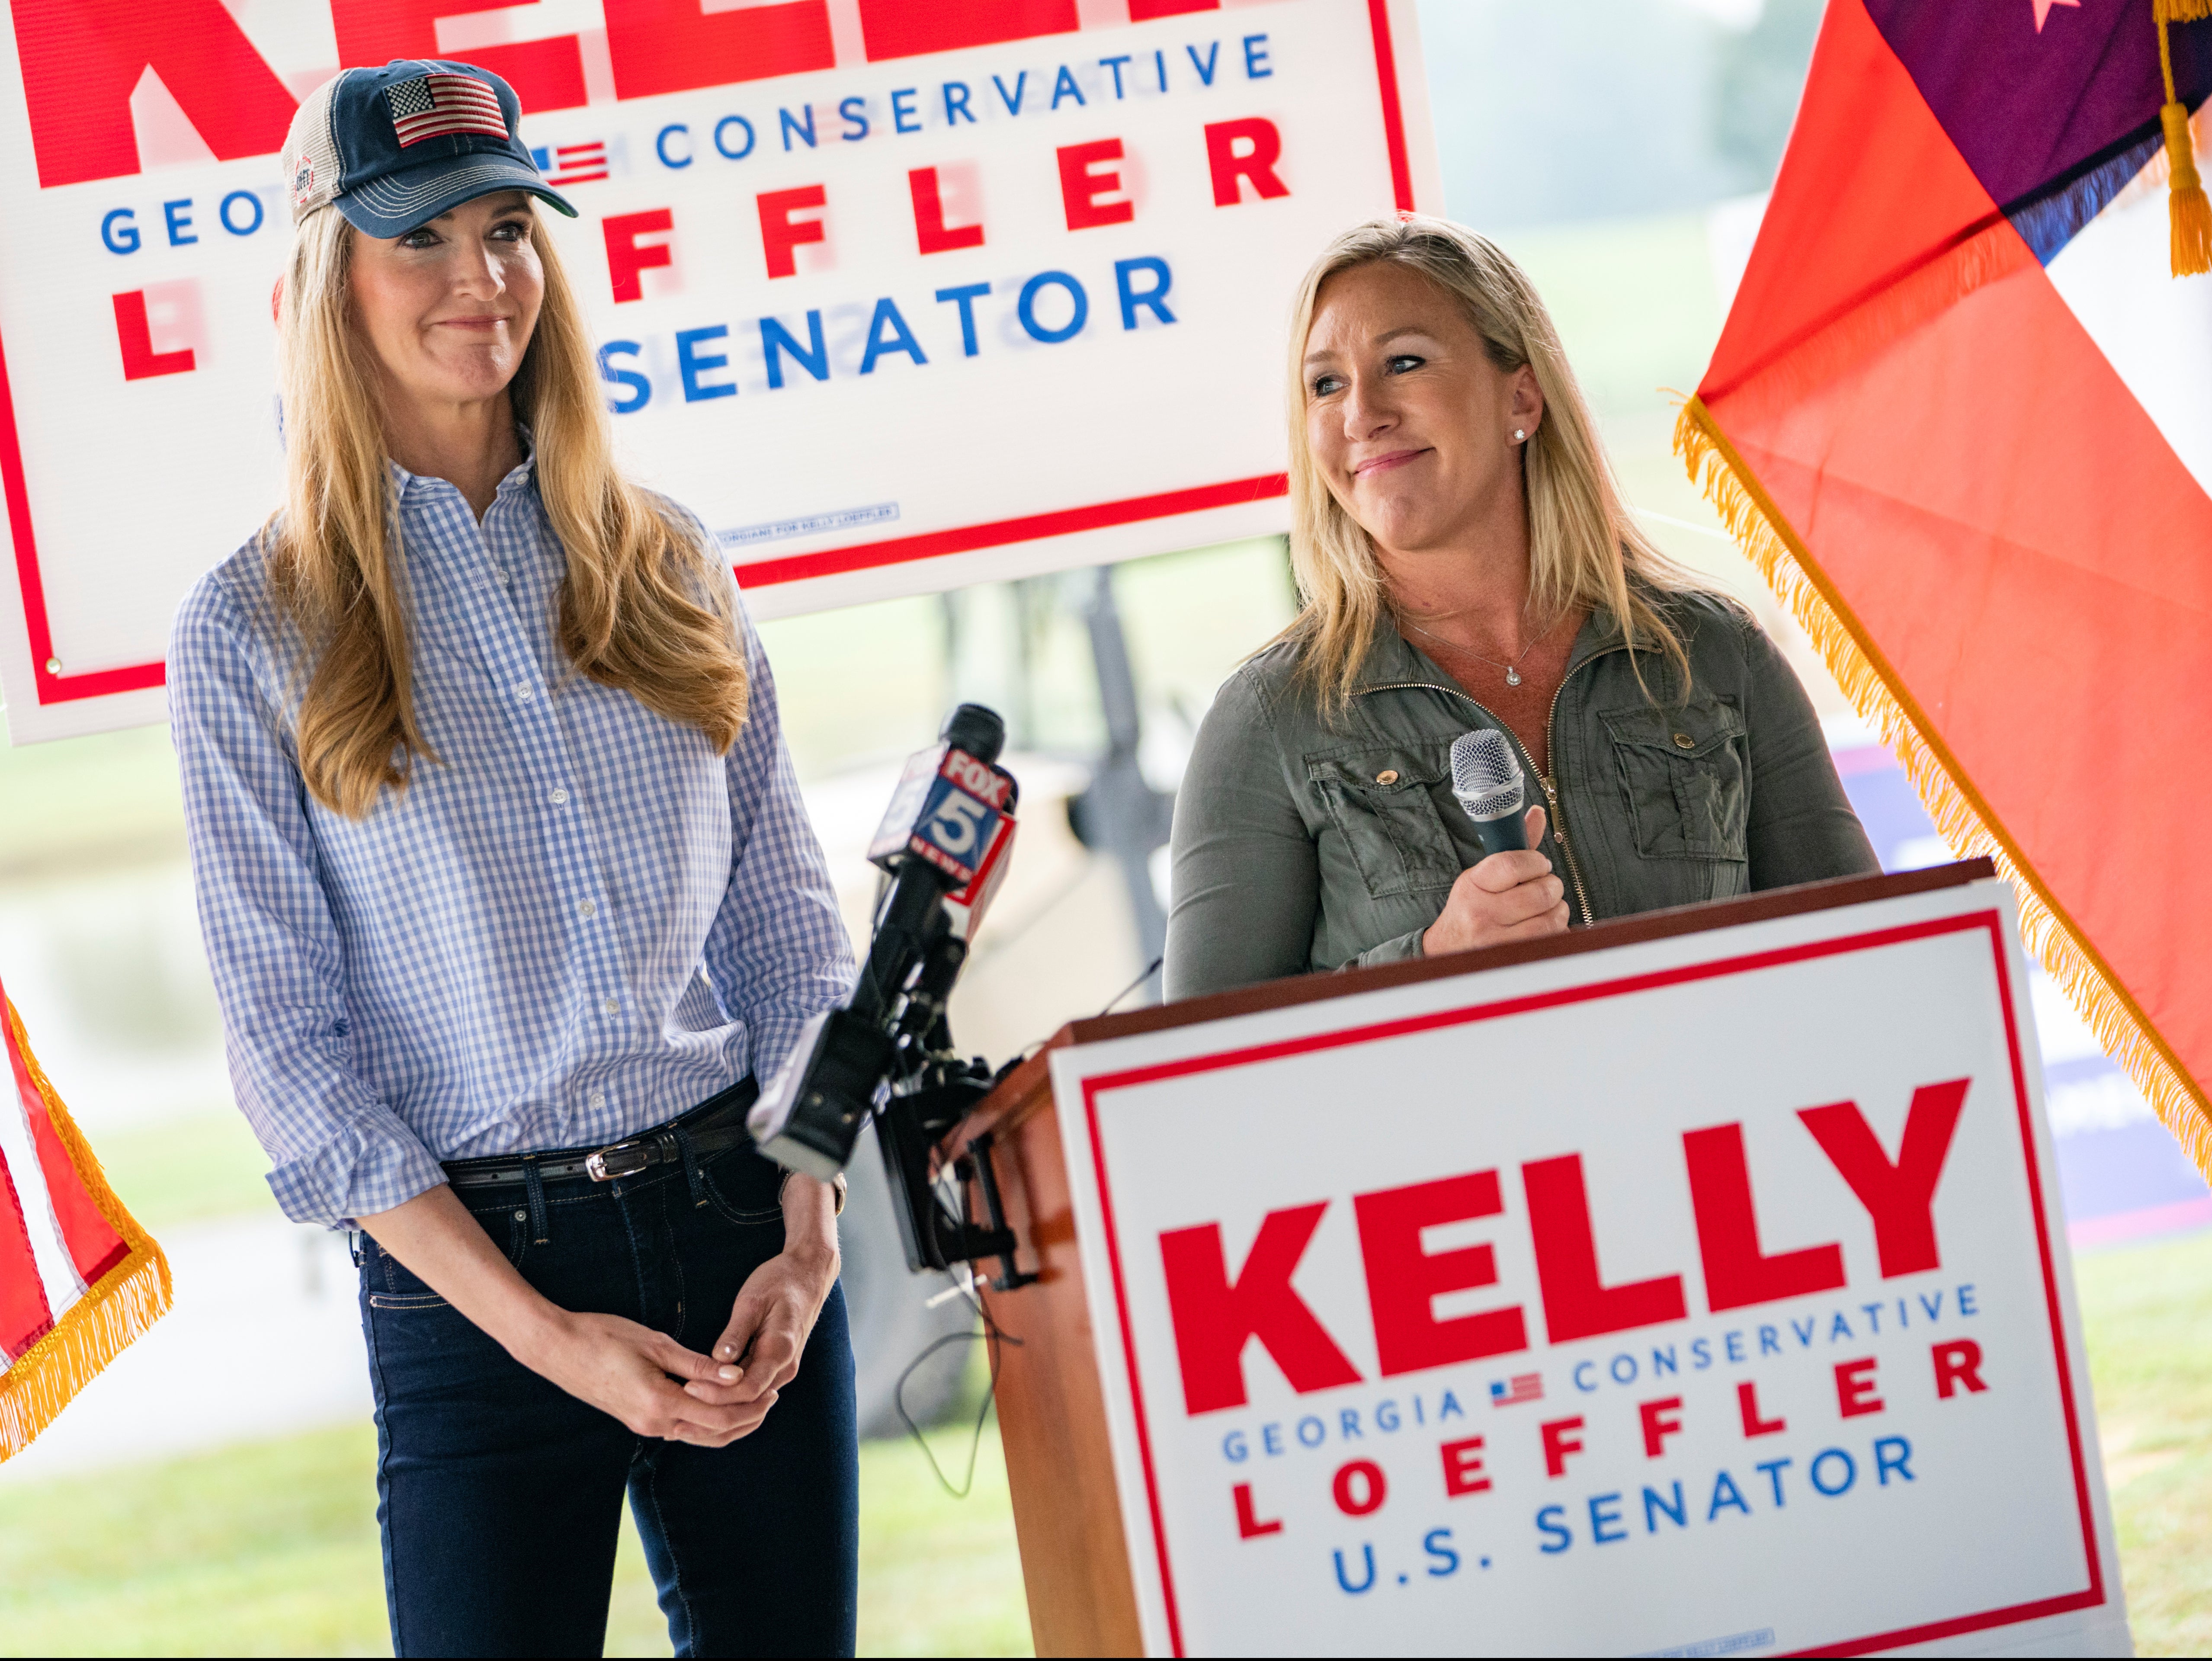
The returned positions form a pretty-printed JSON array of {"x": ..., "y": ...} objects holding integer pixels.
[
  {"x": 930, "y": 545},
  {"x": 52, "y": 688},
  {"x": 68, "y": 688},
  {"x": 1874, "y": 940}
]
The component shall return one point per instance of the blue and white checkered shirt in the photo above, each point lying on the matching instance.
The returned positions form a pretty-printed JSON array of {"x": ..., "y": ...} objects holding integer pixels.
[{"x": 581, "y": 924}]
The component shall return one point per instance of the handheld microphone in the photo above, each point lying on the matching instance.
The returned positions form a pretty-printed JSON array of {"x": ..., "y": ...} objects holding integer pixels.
[
  {"x": 944, "y": 837},
  {"x": 1488, "y": 780}
]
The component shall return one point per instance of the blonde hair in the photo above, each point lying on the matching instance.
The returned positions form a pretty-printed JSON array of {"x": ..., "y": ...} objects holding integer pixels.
[
  {"x": 1585, "y": 549},
  {"x": 641, "y": 608}
]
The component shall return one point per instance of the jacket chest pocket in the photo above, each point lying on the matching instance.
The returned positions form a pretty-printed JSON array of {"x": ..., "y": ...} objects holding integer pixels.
[
  {"x": 1383, "y": 803},
  {"x": 1686, "y": 778}
]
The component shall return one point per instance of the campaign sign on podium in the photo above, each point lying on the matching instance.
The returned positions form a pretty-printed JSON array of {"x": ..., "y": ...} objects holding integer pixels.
[{"x": 1706, "y": 1295}]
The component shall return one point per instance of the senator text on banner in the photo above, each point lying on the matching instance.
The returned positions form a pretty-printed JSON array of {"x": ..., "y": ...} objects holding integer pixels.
[
  {"x": 898, "y": 293},
  {"x": 1535, "y": 1311}
]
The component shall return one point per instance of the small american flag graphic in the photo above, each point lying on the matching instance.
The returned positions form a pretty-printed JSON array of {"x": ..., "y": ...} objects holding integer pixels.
[
  {"x": 1521, "y": 1387},
  {"x": 572, "y": 164},
  {"x": 433, "y": 105}
]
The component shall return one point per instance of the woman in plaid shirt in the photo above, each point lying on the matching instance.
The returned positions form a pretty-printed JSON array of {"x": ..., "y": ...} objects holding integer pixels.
[{"x": 509, "y": 895}]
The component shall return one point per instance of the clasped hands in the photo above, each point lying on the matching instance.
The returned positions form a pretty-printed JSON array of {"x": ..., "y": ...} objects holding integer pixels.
[{"x": 658, "y": 1388}]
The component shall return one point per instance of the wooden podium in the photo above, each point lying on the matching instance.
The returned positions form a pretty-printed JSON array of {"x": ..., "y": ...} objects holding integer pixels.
[{"x": 1052, "y": 1400}]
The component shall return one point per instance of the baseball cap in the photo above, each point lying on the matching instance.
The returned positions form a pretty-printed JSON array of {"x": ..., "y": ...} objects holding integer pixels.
[{"x": 393, "y": 148}]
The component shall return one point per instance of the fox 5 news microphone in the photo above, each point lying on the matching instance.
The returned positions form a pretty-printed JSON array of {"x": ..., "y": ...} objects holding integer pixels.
[{"x": 943, "y": 842}]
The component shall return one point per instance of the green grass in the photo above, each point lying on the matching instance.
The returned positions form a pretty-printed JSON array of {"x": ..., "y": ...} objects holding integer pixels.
[
  {"x": 938, "y": 1576},
  {"x": 271, "y": 1549},
  {"x": 2147, "y": 1317},
  {"x": 266, "y": 1549},
  {"x": 188, "y": 1169},
  {"x": 89, "y": 803}
]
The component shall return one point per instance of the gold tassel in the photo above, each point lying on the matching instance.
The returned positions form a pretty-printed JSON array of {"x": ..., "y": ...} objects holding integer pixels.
[
  {"x": 2191, "y": 213},
  {"x": 1960, "y": 814},
  {"x": 93, "y": 1330}
]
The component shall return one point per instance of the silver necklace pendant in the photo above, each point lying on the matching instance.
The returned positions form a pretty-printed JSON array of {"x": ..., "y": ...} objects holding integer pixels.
[{"x": 1512, "y": 675}]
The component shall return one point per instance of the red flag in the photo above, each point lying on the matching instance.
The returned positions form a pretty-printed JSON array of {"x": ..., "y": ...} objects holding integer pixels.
[
  {"x": 1961, "y": 417},
  {"x": 79, "y": 1279}
]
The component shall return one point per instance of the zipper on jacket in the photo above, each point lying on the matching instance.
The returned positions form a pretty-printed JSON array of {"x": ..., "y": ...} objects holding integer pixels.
[
  {"x": 1551, "y": 720},
  {"x": 1559, "y": 830},
  {"x": 1551, "y": 794}
]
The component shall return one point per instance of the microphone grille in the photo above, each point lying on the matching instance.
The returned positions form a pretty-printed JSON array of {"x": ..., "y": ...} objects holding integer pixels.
[
  {"x": 1482, "y": 762},
  {"x": 1485, "y": 774}
]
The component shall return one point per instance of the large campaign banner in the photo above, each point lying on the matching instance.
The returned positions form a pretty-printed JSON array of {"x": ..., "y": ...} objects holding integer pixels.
[
  {"x": 1638, "y": 1301},
  {"x": 897, "y": 295}
]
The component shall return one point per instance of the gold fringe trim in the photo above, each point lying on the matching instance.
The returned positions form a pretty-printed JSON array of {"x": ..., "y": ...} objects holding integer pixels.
[
  {"x": 1899, "y": 301},
  {"x": 2187, "y": 207},
  {"x": 1960, "y": 815},
  {"x": 47, "y": 1376},
  {"x": 129, "y": 1297},
  {"x": 2182, "y": 11}
]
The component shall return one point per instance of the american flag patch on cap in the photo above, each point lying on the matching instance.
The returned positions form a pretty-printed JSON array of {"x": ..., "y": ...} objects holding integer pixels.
[{"x": 432, "y": 105}]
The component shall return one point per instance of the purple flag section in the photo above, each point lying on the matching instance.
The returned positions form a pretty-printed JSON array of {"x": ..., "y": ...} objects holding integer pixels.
[{"x": 2053, "y": 119}]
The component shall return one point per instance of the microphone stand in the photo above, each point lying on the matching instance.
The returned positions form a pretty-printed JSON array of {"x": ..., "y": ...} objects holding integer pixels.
[{"x": 888, "y": 1055}]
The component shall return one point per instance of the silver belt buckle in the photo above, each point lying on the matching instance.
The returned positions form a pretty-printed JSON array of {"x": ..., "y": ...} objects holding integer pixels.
[{"x": 622, "y": 1160}]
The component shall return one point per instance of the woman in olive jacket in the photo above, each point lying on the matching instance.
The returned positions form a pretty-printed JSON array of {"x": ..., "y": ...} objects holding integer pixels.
[{"x": 1466, "y": 561}]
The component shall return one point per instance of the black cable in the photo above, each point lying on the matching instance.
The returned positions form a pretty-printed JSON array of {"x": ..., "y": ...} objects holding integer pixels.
[
  {"x": 993, "y": 1336},
  {"x": 975, "y": 1440},
  {"x": 1151, "y": 969}
]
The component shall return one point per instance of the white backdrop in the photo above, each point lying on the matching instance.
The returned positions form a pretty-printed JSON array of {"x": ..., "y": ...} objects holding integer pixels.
[
  {"x": 1684, "y": 1444},
  {"x": 1095, "y": 376}
]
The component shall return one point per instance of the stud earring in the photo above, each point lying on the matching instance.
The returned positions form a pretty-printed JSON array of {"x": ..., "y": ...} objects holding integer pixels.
[{"x": 1518, "y": 435}]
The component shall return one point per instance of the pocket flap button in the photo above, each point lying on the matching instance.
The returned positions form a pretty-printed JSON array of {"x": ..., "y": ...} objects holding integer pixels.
[
  {"x": 1387, "y": 776},
  {"x": 1684, "y": 741}
]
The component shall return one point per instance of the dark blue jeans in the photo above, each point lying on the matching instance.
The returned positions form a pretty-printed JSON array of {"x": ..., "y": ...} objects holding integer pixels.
[{"x": 500, "y": 1494}]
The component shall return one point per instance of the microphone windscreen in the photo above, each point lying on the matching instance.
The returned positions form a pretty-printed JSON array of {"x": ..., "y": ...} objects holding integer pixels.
[
  {"x": 977, "y": 729},
  {"x": 1485, "y": 774}
]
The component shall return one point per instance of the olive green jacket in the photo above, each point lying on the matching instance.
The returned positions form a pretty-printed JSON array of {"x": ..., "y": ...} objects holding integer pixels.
[{"x": 1301, "y": 846}]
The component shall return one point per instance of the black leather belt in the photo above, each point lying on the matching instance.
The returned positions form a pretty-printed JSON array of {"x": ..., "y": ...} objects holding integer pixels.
[{"x": 715, "y": 1126}]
